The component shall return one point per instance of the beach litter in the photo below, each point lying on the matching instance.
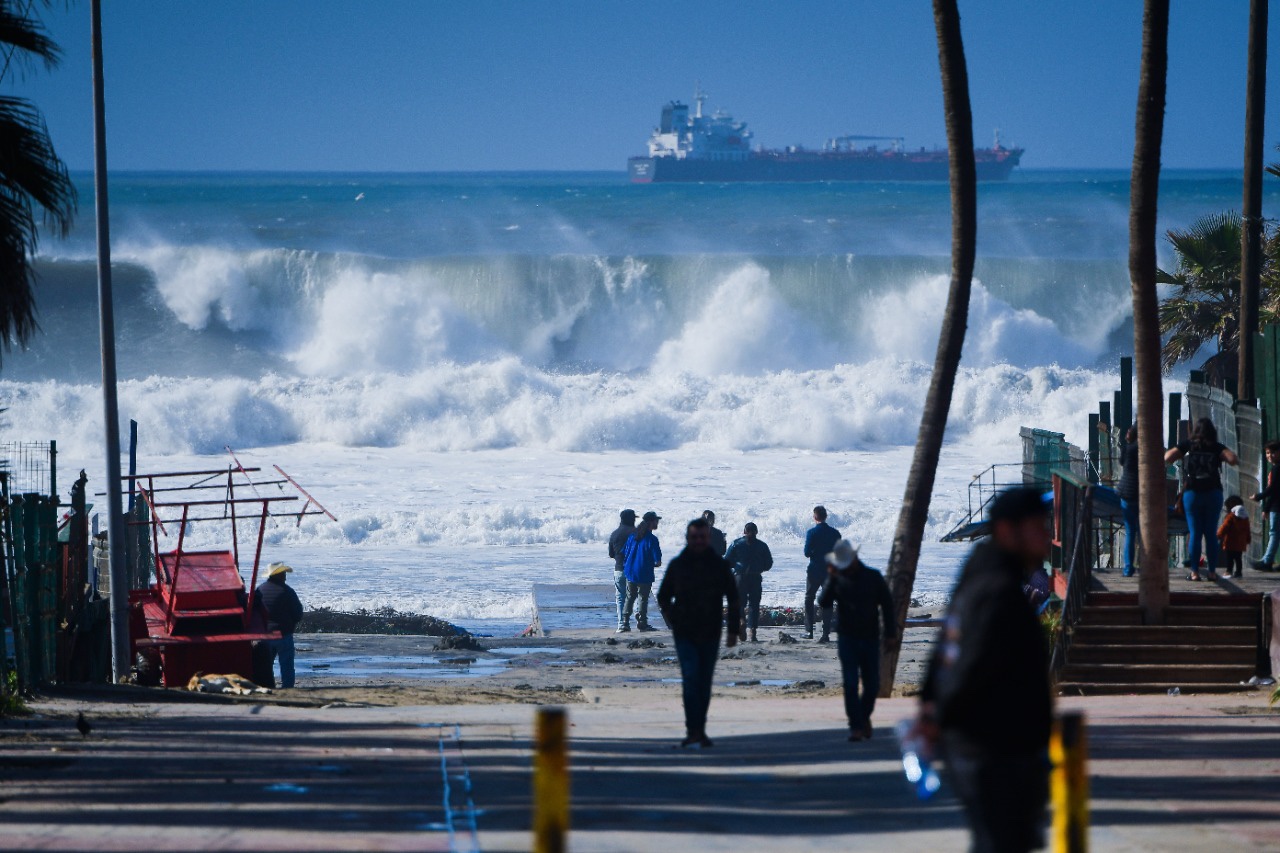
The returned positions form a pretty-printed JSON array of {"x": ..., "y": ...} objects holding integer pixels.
[{"x": 786, "y": 639}]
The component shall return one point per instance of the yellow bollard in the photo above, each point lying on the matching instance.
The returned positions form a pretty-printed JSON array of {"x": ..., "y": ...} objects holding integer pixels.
[
  {"x": 551, "y": 782},
  {"x": 1070, "y": 784}
]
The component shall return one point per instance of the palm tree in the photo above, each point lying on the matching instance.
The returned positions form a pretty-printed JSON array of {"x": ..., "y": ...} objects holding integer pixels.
[
  {"x": 937, "y": 405},
  {"x": 1144, "y": 185},
  {"x": 1205, "y": 307},
  {"x": 32, "y": 178}
]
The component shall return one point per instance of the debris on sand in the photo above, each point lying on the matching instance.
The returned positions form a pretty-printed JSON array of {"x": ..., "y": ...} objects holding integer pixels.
[
  {"x": 812, "y": 684},
  {"x": 785, "y": 639},
  {"x": 610, "y": 658},
  {"x": 462, "y": 643},
  {"x": 383, "y": 620},
  {"x": 646, "y": 643},
  {"x": 611, "y": 642}
]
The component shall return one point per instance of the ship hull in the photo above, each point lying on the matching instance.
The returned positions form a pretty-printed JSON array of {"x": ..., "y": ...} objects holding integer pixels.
[{"x": 644, "y": 170}]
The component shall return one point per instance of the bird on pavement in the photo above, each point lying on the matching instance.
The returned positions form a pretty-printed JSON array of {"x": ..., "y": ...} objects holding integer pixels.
[{"x": 82, "y": 725}]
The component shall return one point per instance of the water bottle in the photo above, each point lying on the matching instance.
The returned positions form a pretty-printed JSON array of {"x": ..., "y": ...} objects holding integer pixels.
[{"x": 917, "y": 767}]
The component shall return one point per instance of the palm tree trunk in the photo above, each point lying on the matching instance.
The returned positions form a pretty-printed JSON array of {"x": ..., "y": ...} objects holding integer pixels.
[
  {"x": 933, "y": 422},
  {"x": 1153, "y": 588},
  {"x": 1251, "y": 248}
]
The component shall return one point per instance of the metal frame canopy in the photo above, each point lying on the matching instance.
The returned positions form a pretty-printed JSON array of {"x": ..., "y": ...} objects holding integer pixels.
[{"x": 198, "y": 597}]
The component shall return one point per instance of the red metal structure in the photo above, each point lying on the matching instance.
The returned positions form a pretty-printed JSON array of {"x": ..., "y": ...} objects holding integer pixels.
[{"x": 198, "y": 616}]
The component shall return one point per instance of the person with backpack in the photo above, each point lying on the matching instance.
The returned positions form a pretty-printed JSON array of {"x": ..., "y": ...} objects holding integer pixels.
[{"x": 1202, "y": 499}]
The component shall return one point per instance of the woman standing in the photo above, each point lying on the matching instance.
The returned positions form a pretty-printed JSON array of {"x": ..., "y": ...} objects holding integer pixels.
[
  {"x": 1127, "y": 488},
  {"x": 1202, "y": 459}
]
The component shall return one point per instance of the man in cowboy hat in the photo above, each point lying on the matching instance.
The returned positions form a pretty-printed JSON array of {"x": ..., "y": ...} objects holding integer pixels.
[
  {"x": 864, "y": 613},
  {"x": 283, "y": 611}
]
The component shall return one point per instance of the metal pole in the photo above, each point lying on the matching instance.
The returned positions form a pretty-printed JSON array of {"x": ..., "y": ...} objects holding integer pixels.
[
  {"x": 551, "y": 781},
  {"x": 1251, "y": 221},
  {"x": 1069, "y": 783},
  {"x": 107, "y": 335}
]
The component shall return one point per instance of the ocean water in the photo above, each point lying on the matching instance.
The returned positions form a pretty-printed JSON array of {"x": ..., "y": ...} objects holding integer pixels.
[{"x": 475, "y": 372}]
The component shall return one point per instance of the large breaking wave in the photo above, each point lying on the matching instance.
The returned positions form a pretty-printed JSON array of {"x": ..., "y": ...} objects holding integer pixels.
[{"x": 570, "y": 352}]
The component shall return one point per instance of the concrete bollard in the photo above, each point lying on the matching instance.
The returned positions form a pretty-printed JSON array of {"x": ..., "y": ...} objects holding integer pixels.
[
  {"x": 1068, "y": 750},
  {"x": 551, "y": 781}
]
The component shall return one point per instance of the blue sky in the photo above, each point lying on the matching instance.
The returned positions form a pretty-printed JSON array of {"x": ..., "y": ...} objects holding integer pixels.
[{"x": 444, "y": 85}]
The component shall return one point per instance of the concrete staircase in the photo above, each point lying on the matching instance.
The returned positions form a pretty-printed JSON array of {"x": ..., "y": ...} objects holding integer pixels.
[{"x": 1209, "y": 644}]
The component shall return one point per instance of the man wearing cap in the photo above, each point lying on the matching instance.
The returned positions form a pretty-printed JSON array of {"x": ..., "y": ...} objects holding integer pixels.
[
  {"x": 818, "y": 542},
  {"x": 864, "y": 613},
  {"x": 284, "y": 612},
  {"x": 640, "y": 557},
  {"x": 750, "y": 558},
  {"x": 986, "y": 702},
  {"x": 617, "y": 549}
]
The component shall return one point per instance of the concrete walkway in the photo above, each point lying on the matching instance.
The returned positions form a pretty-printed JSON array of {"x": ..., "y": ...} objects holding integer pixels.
[{"x": 1168, "y": 773}]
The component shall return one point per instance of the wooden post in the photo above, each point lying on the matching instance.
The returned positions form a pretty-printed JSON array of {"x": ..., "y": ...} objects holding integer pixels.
[
  {"x": 1175, "y": 417},
  {"x": 551, "y": 782},
  {"x": 1069, "y": 784}
]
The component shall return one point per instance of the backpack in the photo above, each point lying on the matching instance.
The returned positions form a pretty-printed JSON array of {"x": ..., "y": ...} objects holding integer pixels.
[{"x": 1200, "y": 468}]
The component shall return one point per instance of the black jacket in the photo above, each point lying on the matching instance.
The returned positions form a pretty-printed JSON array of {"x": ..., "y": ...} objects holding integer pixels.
[
  {"x": 719, "y": 542},
  {"x": 749, "y": 558},
  {"x": 281, "y": 604},
  {"x": 1128, "y": 485},
  {"x": 692, "y": 595},
  {"x": 618, "y": 544},
  {"x": 1270, "y": 494},
  {"x": 989, "y": 676},
  {"x": 864, "y": 606}
]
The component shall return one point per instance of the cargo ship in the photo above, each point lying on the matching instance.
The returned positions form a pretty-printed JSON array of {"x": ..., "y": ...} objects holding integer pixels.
[{"x": 717, "y": 148}]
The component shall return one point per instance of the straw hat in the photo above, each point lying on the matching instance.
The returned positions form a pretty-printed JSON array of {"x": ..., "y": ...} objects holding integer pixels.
[{"x": 277, "y": 569}]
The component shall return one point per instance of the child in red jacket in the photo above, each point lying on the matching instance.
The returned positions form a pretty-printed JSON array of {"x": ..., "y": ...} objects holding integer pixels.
[{"x": 1235, "y": 536}]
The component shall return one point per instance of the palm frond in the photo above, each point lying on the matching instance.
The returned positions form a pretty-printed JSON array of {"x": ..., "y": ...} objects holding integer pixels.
[{"x": 25, "y": 33}]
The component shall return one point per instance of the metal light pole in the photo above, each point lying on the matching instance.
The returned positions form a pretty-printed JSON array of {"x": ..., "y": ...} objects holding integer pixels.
[
  {"x": 107, "y": 334},
  {"x": 1251, "y": 239}
]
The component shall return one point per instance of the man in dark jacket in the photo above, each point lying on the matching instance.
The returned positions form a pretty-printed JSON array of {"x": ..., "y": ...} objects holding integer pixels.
[
  {"x": 818, "y": 543},
  {"x": 691, "y": 596},
  {"x": 283, "y": 611},
  {"x": 864, "y": 612},
  {"x": 617, "y": 553},
  {"x": 750, "y": 558},
  {"x": 719, "y": 542},
  {"x": 986, "y": 699},
  {"x": 1269, "y": 498}
]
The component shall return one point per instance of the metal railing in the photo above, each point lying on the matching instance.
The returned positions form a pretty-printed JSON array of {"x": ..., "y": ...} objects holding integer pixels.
[{"x": 1076, "y": 540}]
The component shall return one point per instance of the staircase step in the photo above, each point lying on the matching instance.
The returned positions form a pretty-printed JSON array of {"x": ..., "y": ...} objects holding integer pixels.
[
  {"x": 1156, "y": 635},
  {"x": 1111, "y": 615},
  {"x": 1212, "y": 615},
  {"x": 1085, "y": 688},
  {"x": 1107, "y": 598},
  {"x": 1162, "y": 653},
  {"x": 1173, "y": 674}
]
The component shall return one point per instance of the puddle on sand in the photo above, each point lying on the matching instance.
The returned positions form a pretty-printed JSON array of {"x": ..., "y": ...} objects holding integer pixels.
[
  {"x": 529, "y": 650},
  {"x": 383, "y": 666}
]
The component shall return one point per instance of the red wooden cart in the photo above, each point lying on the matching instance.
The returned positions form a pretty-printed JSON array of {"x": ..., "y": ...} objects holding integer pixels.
[{"x": 198, "y": 616}]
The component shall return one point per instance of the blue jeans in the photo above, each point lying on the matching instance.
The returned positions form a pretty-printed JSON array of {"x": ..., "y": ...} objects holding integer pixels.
[
  {"x": 1273, "y": 538},
  {"x": 1202, "y": 510},
  {"x": 697, "y": 669},
  {"x": 859, "y": 661},
  {"x": 620, "y": 593},
  {"x": 283, "y": 649},
  {"x": 1132, "y": 533}
]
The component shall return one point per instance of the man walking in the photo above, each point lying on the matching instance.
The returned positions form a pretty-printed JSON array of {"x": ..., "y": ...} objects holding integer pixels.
[
  {"x": 283, "y": 611},
  {"x": 617, "y": 548},
  {"x": 986, "y": 699},
  {"x": 864, "y": 612},
  {"x": 640, "y": 557},
  {"x": 750, "y": 558},
  {"x": 818, "y": 543},
  {"x": 691, "y": 596},
  {"x": 719, "y": 542}
]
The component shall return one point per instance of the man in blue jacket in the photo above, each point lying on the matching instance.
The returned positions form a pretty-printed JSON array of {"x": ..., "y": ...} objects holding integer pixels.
[
  {"x": 818, "y": 543},
  {"x": 640, "y": 557},
  {"x": 750, "y": 558}
]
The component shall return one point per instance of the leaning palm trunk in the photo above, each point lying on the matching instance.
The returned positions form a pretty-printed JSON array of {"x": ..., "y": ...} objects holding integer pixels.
[
  {"x": 933, "y": 422},
  {"x": 1153, "y": 589},
  {"x": 1251, "y": 239}
]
